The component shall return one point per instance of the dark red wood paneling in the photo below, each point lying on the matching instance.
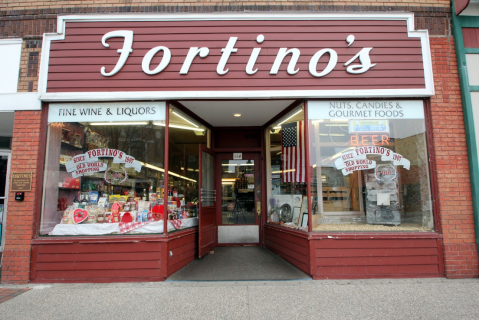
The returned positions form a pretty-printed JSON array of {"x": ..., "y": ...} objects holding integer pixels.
[
  {"x": 471, "y": 37},
  {"x": 98, "y": 262},
  {"x": 75, "y": 62},
  {"x": 182, "y": 251},
  {"x": 242, "y": 137},
  {"x": 371, "y": 258},
  {"x": 292, "y": 247},
  {"x": 207, "y": 230},
  {"x": 121, "y": 259}
]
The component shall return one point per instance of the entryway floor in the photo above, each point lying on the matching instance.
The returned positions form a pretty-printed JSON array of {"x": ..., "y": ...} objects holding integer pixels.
[{"x": 239, "y": 264}]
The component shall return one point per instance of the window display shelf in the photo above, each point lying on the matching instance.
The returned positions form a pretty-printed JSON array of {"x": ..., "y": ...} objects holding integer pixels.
[
  {"x": 66, "y": 145},
  {"x": 85, "y": 229}
]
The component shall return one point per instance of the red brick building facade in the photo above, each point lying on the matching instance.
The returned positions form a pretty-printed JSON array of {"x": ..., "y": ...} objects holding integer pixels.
[{"x": 29, "y": 20}]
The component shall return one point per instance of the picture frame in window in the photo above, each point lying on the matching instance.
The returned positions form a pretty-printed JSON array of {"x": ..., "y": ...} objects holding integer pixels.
[
  {"x": 296, "y": 215},
  {"x": 304, "y": 205},
  {"x": 304, "y": 220}
]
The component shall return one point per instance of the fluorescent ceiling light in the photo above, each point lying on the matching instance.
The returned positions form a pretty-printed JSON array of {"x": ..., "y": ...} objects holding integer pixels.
[
  {"x": 180, "y": 176},
  {"x": 147, "y": 165},
  {"x": 118, "y": 123},
  {"x": 290, "y": 117},
  {"x": 237, "y": 115},
  {"x": 177, "y": 126},
  {"x": 190, "y": 122},
  {"x": 281, "y": 171},
  {"x": 154, "y": 167},
  {"x": 332, "y": 134},
  {"x": 228, "y": 164}
]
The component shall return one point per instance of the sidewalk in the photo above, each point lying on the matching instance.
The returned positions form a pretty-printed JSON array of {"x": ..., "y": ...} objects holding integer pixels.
[{"x": 327, "y": 299}]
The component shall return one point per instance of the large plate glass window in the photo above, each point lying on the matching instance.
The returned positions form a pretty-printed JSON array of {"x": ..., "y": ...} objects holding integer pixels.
[
  {"x": 369, "y": 166},
  {"x": 185, "y": 136},
  {"x": 286, "y": 171},
  {"x": 104, "y": 168}
]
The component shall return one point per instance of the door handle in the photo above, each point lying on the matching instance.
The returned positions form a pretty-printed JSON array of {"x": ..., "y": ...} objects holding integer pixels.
[{"x": 258, "y": 208}]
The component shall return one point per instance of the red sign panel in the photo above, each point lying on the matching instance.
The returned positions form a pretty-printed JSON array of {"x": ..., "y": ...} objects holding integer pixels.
[{"x": 238, "y": 55}]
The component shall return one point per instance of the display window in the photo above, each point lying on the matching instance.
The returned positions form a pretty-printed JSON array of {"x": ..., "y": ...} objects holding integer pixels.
[
  {"x": 185, "y": 137},
  {"x": 286, "y": 171},
  {"x": 104, "y": 169},
  {"x": 369, "y": 165}
]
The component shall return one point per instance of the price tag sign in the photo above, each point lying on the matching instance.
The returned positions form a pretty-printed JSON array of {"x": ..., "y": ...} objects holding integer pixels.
[{"x": 237, "y": 156}]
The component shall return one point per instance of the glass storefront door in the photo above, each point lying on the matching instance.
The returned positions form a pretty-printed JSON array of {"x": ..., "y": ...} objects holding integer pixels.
[
  {"x": 240, "y": 211},
  {"x": 4, "y": 174}
]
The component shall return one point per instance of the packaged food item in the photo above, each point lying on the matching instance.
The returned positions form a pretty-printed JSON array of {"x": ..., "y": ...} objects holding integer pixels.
[
  {"x": 145, "y": 216},
  {"x": 93, "y": 195},
  {"x": 102, "y": 202},
  {"x": 64, "y": 159},
  {"x": 115, "y": 212},
  {"x": 92, "y": 214},
  {"x": 114, "y": 198},
  {"x": 143, "y": 205},
  {"x": 68, "y": 215},
  {"x": 132, "y": 205},
  {"x": 133, "y": 215},
  {"x": 153, "y": 197},
  {"x": 126, "y": 217}
]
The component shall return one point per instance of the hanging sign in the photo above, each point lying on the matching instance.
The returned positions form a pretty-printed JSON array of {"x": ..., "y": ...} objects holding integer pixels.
[
  {"x": 116, "y": 176},
  {"x": 367, "y": 126},
  {"x": 87, "y": 167},
  {"x": 356, "y": 165},
  {"x": 88, "y": 162},
  {"x": 385, "y": 173},
  {"x": 344, "y": 161}
]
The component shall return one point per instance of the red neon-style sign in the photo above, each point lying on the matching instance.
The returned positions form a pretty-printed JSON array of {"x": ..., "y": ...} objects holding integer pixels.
[{"x": 369, "y": 139}]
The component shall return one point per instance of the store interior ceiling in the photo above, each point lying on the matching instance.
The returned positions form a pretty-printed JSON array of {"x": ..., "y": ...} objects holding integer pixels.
[
  {"x": 6, "y": 124},
  {"x": 221, "y": 113}
]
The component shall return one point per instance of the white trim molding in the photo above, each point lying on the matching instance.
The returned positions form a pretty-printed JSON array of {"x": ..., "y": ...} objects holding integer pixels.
[
  {"x": 11, "y": 41},
  {"x": 427, "y": 91},
  {"x": 20, "y": 101}
]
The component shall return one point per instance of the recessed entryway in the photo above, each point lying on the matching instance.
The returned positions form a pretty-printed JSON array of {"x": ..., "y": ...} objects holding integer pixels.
[{"x": 239, "y": 264}]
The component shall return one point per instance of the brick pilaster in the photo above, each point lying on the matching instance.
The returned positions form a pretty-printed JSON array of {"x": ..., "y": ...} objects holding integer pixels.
[{"x": 21, "y": 215}]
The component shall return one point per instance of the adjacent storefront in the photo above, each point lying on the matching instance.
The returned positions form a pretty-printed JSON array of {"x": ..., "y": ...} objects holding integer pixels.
[
  {"x": 466, "y": 29},
  {"x": 136, "y": 182}
]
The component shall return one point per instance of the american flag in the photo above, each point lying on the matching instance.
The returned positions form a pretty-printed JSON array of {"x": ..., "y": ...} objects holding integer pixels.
[{"x": 293, "y": 157}]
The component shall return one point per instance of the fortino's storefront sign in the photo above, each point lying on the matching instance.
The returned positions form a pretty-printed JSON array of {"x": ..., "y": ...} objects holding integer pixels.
[{"x": 236, "y": 56}]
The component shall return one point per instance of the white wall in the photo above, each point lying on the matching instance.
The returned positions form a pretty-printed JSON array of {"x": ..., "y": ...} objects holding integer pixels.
[{"x": 10, "y": 54}]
